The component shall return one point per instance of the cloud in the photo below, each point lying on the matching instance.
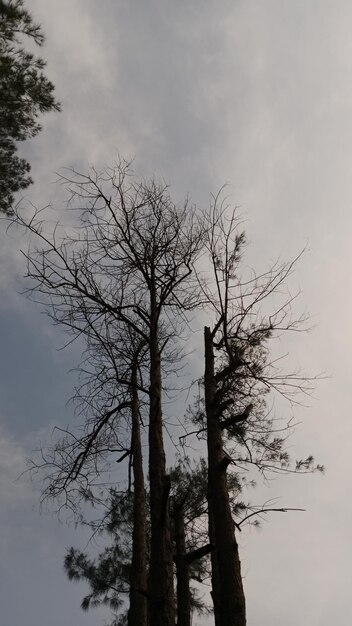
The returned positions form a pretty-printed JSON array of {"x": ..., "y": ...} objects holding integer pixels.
[
  {"x": 257, "y": 94},
  {"x": 13, "y": 491}
]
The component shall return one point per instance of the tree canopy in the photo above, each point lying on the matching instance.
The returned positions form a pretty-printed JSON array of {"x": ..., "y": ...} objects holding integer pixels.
[{"x": 25, "y": 93}]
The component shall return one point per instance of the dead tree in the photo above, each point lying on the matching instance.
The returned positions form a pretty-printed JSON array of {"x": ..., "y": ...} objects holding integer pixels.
[
  {"x": 111, "y": 382},
  {"x": 130, "y": 258},
  {"x": 114, "y": 361}
]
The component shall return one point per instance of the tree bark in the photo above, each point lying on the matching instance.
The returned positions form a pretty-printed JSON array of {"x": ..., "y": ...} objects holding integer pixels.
[
  {"x": 138, "y": 611},
  {"x": 232, "y": 601},
  {"x": 215, "y": 582},
  {"x": 182, "y": 570},
  {"x": 162, "y": 603}
]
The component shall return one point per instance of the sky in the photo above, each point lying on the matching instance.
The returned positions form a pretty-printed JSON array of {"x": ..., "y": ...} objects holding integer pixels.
[{"x": 257, "y": 95}]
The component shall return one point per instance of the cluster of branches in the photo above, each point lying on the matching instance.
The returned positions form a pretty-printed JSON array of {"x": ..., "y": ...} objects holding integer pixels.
[{"x": 127, "y": 279}]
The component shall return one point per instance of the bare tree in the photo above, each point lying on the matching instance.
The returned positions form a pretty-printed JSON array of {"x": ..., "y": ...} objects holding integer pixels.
[
  {"x": 76, "y": 464},
  {"x": 130, "y": 259},
  {"x": 114, "y": 361}
]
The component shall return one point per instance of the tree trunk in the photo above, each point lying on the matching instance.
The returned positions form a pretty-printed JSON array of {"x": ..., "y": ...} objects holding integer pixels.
[
  {"x": 138, "y": 611},
  {"x": 215, "y": 582},
  {"x": 162, "y": 603},
  {"x": 182, "y": 570},
  {"x": 232, "y": 600}
]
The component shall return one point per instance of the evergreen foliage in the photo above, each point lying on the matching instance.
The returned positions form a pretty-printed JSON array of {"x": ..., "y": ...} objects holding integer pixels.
[
  {"x": 108, "y": 576},
  {"x": 25, "y": 93}
]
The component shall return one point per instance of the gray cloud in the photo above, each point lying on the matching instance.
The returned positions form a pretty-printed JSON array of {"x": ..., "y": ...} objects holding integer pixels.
[{"x": 255, "y": 94}]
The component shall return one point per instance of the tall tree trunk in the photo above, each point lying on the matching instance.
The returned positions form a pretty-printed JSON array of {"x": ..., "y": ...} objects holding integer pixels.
[
  {"x": 215, "y": 582},
  {"x": 182, "y": 570},
  {"x": 162, "y": 603},
  {"x": 232, "y": 600},
  {"x": 138, "y": 611}
]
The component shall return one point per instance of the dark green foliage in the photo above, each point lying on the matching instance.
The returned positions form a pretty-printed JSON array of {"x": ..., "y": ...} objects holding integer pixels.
[
  {"x": 24, "y": 94},
  {"x": 246, "y": 381},
  {"x": 107, "y": 575},
  {"x": 189, "y": 490}
]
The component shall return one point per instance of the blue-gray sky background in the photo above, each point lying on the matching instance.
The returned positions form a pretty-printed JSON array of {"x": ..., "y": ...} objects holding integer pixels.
[{"x": 251, "y": 93}]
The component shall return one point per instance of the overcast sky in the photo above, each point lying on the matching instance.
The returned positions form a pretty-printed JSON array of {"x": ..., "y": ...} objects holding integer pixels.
[{"x": 250, "y": 93}]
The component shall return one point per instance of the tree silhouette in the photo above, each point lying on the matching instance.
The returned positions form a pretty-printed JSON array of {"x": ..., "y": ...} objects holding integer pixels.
[{"x": 126, "y": 279}]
